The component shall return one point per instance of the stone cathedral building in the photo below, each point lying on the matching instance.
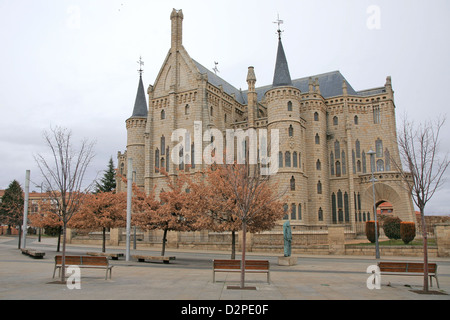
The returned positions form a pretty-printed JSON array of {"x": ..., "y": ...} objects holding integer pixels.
[{"x": 326, "y": 130}]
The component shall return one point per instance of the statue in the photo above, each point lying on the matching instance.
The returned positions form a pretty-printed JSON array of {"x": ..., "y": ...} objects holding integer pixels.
[{"x": 287, "y": 238}]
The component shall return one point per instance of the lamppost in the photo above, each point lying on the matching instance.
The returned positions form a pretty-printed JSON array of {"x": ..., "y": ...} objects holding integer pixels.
[
  {"x": 373, "y": 180},
  {"x": 129, "y": 191}
]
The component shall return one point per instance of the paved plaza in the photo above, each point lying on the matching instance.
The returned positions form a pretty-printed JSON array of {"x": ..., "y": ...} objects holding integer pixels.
[{"x": 189, "y": 277}]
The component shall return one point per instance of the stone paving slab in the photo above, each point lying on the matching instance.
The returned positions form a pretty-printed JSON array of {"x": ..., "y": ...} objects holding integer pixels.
[{"x": 189, "y": 277}]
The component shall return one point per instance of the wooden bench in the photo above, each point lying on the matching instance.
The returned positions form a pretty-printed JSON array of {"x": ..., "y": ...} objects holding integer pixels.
[
  {"x": 408, "y": 269},
  {"x": 84, "y": 262},
  {"x": 251, "y": 266},
  {"x": 113, "y": 256},
  {"x": 33, "y": 253},
  {"x": 142, "y": 258}
]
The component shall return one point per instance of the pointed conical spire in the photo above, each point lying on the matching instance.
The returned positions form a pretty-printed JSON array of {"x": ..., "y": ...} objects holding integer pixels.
[
  {"x": 282, "y": 76},
  {"x": 140, "y": 105}
]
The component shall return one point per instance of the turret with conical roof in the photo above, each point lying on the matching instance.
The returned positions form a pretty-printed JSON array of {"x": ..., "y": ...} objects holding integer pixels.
[
  {"x": 136, "y": 126},
  {"x": 281, "y": 76}
]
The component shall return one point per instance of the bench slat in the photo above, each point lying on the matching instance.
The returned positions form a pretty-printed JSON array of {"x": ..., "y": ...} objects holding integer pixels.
[
  {"x": 408, "y": 269},
  {"x": 251, "y": 266},
  {"x": 84, "y": 262}
]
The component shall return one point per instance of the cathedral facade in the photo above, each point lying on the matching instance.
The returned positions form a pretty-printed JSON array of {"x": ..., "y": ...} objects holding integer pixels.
[{"x": 331, "y": 137}]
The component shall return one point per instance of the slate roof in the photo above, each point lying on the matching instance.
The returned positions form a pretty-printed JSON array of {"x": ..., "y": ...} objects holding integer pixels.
[
  {"x": 281, "y": 75},
  {"x": 215, "y": 80},
  {"x": 140, "y": 105}
]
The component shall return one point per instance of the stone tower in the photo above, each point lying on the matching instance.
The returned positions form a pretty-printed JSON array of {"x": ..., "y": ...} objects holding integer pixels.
[
  {"x": 283, "y": 114},
  {"x": 136, "y": 126}
]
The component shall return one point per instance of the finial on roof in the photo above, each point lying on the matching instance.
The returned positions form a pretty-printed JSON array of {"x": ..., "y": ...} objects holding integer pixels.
[
  {"x": 141, "y": 63},
  {"x": 279, "y": 22}
]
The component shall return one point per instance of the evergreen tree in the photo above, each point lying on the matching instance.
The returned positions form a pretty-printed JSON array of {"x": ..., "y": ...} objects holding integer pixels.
[
  {"x": 11, "y": 207},
  {"x": 108, "y": 182}
]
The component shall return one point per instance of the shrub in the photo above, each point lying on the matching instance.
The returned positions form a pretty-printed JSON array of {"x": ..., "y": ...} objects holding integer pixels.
[
  {"x": 391, "y": 227},
  {"x": 407, "y": 231},
  {"x": 370, "y": 230}
]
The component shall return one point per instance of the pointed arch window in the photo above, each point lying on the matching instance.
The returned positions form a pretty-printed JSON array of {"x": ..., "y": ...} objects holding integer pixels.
[
  {"x": 192, "y": 156},
  {"x": 163, "y": 114},
  {"x": 340, "y": 206},
  {"x": 291, "y": 131},
  {"x": 163, "y": 145},
  {"x": 318, "y": 165},
  {"x": 292, "y": 183},
  {"x": 285, "y": 209},
  {"x": 319, "y": 187},
  {"x": 287, "y": 159},
  {"x": 333, "y": 207},
  {"x": 157, "y": 160},
  {"x": 294, "y": 159},
  {"x": 289, "y": 105},
  {"x": 387, "y": 156},
  {"x": 317, "y": 138},
  {"x": 346, "y": 208},
  {"x": 380, "y": 165},
  {"x": 316, "y": 116},
  {"x": 344, "y": 166},
  {"x": 187, "y": 110},
  {"x": 337, "y": 149},
  {"x": 379, "y": 148},
  {"x": 293, "y": 211},
  {"x": 320, "y": 214},
  {"x": 355, "y": 119},
  {"x": 338, "y": 169},
  {"x": 167, "y": 161},
  {"x": 181, "y": 158},
  {"x": 332, "y": 163},
  {"x": 358, "y": 149},
  {"x": 299, "y": 211},
  {"x": 280, "y": 159},
  {"x": 354, "y": 161},
  {"x": 364, "y": 166},
  {"x": 335, "y": 120}
]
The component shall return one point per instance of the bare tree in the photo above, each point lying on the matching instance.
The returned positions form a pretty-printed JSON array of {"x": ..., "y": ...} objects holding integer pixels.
[
  {"x": 419, "y": 152},
  {"x": 254, "y": 197},
  {"x": 63, "y": 175}
]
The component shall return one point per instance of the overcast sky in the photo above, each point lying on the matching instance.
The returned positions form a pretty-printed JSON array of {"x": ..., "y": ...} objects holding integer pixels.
[{"x": 74, "y": 63}]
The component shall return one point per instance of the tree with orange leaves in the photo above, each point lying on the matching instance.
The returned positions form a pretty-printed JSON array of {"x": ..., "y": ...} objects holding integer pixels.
[
  {"x": 101, "y": 210},
  {"x": 235, "y": 197},
  {"x": 47, "y": 217},
  {"x": 170, "y": 213}
]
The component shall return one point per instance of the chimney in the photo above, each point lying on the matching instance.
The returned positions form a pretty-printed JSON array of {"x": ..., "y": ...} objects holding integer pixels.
[{"x": 177, "y": 28}]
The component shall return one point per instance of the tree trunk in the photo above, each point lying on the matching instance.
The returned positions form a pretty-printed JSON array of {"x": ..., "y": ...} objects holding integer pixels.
[
  {"x": 59, "y": 240},
  {"x": 163, "y": 250},
  {"x": 425, "y": 250},
  {"x": 244, "y": 236},
  {"x": 20, "y": 236},
  {"x": 63, "y": 264},
  {"x": 233, "y": 245},
  {"x": 104, "y": 240}
]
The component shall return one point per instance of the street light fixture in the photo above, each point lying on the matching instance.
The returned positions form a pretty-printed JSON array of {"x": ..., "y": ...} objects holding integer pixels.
[{"x": 373, "y": 180}]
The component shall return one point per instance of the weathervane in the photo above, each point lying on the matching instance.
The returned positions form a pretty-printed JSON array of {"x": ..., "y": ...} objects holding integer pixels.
[
  {"x": 215, "y": 69},
  {"x": 141, "y": 63},
  {"x": 279, "y": 22}
]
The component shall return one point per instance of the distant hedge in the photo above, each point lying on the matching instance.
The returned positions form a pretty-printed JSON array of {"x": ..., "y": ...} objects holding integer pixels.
[
  {"x": 391, "y": 227},
  {"x": 407, "y": 231},
  {"x": 370, "y": 230}
]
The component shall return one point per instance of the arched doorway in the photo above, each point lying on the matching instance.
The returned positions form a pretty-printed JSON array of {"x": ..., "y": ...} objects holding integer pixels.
[{"x": 390, "y": 198}]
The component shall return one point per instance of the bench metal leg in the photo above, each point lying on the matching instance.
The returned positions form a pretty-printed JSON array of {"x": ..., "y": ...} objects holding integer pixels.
[{"x": 437, "y": 281}]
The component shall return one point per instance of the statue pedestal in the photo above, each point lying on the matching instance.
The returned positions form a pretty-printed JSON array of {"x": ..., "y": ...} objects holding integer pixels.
[{"x": 287, "y": 261}]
